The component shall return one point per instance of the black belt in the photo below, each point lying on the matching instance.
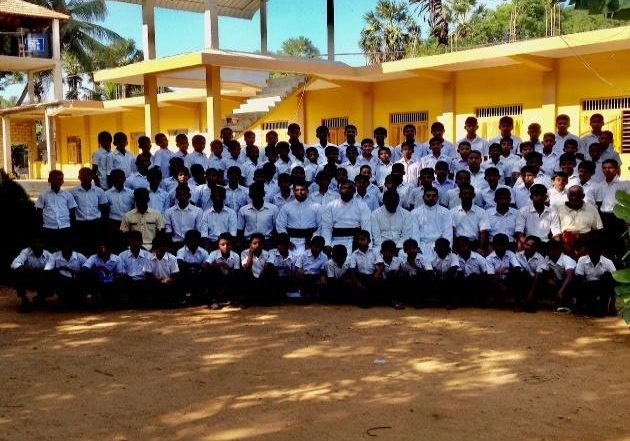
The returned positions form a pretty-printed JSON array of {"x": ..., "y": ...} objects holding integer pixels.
[
  {"x": 345, "y": 232},
  {"x": 303, "y": 233}
]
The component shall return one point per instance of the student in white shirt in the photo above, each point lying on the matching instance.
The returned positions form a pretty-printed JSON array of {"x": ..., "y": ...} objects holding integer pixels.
[
  {"x": 257, "y": 281},
  {"x": 258, "y": 216},
  {"x": 163, "y": 155},
  {"x": 190, "y": 260},
  {"x": 121, "y": 158},
  {"x": 310, "y": 268},
  {"x": 558, "y": 280},
  {"x": 596, "y": 121},
  {"x": 91, "y": 208},
  {"x": 57, "y": 210},
  {"x": 391, "y": 221},
  {"x": 282, "y": 260},
  {"x": 391, "y": 272},
  {"x": 223, "y": 266},
  {"x": 158, "y": 197},
  {"x": 534, "y": 265},
  {"x": 445, "y": 266},
  {"x": 563, "y": 122},
  {"x": 64, "y": 275},
  {"x": 437, "y": 131},
  {"x": 367, "y": 266},
  {"x": 415, "y": 273},
  {"x": 614, "y": 227},
  {"x": 102, "y": 161},
  {"x": 339, "y": 277},
  {"x": 28, "y": 269},
  {"x": 502, "y": 217},
  {"x": 473, "y": 273},
  {"x": 594, "y": 282},
  {"x": 99, "y": 274},
  {"x": 471, "y": 125},
  {"x": 162, "y": 273},
  {"x": 469, "y": 220},
  {"x": 503, "y": 268},
  {"x": 182, "y": 217},
  {"x": 506, "y": 125},
  {"x": 131, "y": 275}
]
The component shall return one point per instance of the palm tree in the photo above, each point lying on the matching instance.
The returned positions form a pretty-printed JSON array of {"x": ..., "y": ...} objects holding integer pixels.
[
  {"x": 436, "y": 18},
  {"x": 119, "y": 53},
  {"x": 388, "y": 30},
  {"x": 299, "y": 47}
]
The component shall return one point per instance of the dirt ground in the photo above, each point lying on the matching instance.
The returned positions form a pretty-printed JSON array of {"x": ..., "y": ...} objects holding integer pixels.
[{"x": 312, "y": 373}]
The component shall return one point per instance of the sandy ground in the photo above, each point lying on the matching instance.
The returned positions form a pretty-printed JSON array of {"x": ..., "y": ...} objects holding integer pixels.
[{"x": 314, "y": 373}]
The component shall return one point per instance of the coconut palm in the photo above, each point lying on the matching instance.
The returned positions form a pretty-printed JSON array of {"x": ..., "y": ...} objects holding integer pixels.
[
  {"x": 388, "y": 31},
  {"x": 436, "y": 17}
]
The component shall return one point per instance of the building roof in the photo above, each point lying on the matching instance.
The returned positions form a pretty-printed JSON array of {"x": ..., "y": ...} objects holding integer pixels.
[
  {"x": 26, "y": 9},
  {"x": 188, "y": 70},
  {"x": 226, "y": 8}
]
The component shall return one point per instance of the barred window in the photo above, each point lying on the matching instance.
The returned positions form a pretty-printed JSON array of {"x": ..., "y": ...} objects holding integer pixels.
[
  {"x": 275, "y": 125},
  {"x": 606, "y": 103},
  {"x": 340, "y": 121},
  {"x": 408, "y": 117},
  {"x": 499, "y": 111}
]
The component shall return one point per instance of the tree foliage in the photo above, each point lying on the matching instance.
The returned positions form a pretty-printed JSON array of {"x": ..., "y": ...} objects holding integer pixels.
[{"x": 299, "y": 47}]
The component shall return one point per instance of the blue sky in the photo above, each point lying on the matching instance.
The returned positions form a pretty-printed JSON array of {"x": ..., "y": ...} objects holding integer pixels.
[{"x": 178, "y": 31}]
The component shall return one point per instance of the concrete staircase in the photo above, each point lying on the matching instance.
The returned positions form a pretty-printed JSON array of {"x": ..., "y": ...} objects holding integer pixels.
[{"x": 263, "y": 102}]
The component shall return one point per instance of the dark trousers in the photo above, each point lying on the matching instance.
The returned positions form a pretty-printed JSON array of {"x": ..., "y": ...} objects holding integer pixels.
[
  {"x": 596, "y": 297},
  {"x": 54, "y": 238},
  {"x": 114, "y": 236},
  {"x": 417, "y": 288},
  {"x": 68, "y": 289},
  {"x": 258, "y": 290},
  {"x": 367, "y": 292},
  {"x": 471, "y": 290},
  {"x": 25, "y": 279},
  {"x": 222, "y": 285},
  {"x": 614, "y": 244},
  {"x": 87, "y": 235}
]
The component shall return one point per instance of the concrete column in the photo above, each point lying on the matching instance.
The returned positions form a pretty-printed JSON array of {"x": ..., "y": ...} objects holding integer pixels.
[
  {"x": 330, "y": 26},
  {"x": 301, "y": 115},
  {"x": 448, "y": 109},
  {"x": 30, "y": 87},
  {"x": 213, "y": 101},
  {"x": 51, "y": 152},
  {"x": 210, "y": 24},
  {"x": 263, "y": 27},
  {"x": 368, "y": 114},
  {"x": 148, "y": 29},
  {"x": 56, "y": 55},
  {"x": 151, "y": 111},
  {"x": 6, "y": 144}
]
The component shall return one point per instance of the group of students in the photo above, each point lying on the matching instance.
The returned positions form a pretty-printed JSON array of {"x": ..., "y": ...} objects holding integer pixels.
[{"x": 521, "y": 221}]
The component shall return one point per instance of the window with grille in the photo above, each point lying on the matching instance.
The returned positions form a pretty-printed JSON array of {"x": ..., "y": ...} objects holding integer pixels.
[
  {"x": 74, "y": 150},
  {"x": 408, "y": 117},
  {"x": 613, "y": 103},
  {"x": 275, "y": 125},
  {"x": 499, "y": 111},
  {"x": 332, "y": 123},
  {"x": 625, "y": 131}
]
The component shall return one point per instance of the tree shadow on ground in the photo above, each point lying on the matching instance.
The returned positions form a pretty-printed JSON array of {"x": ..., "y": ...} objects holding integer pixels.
[{"x": 317, "y": 372}]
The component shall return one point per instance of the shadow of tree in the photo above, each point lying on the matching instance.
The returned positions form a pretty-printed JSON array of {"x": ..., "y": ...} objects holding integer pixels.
[{"x": 318, "y": 372}]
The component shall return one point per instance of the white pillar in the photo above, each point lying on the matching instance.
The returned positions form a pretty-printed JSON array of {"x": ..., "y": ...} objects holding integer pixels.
[
  {"x": 6, "y": 145},
  {"x": 148, "y": 29},
  {"x": 263, "y": 27},
  {"x": 56, "y": 54},
  {"x": 213, "y": 100},
  {"x": 49, "y": 129},
  {"x": 210, "y": 24},
  {"x": 30, "y": 87},
  {"x": 330, "y": 26}
]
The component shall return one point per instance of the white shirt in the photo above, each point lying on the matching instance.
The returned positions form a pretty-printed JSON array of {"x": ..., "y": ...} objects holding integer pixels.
[
  {"x": 179, "y": 220},
  {"x": 334, "y": 271},
  {"x": 201, "y": 197},
  {"x": 475, "y": 264},
  {"x": 161, "y": 158},
  {"x": 530, "y": 223},
  {"x": 66, "y": 267},
  {"x": 133, "y": 266},
  {"x": 299, "y": 215},
  {"x": 159, "y": 200},
  {"x": 29, "y": 260},
  {"x": 557, "y": 197},
  {"x": 421, "y": 261},
  {"x": 258, "y": 262},
  {"x": 534, "y": 265},
  {"x": 430, "y": 160},
  {"x": 369, "y": 199},
  {"x": 484, "y": 196},
  {"x": 120, "y": 202},
  {"x": 476, "y": 144},
  {"x": 232, "y": 259},
  {"x": 214, "y": 223},
  {"x": 561, "y": 266},
  {"x": 365, "y": 262},
  {"x": 430, "y": 224},
  {"x": 196, "y": 158},
  {"x": 411, "y": 171},
  {"x": 397, "y": 226},
  {"x": 592, "y": 272},
  {"x": 593, "y": 191},
  {"x": 500, "y": 266},
  {"x": 186, "y": 255},
  {"x": 448, "y": 149},
  {"x": 125, "y": 162},
  {"x": 340, "y": 214},
  {"x": 88, "y": 202},
  {"x": 441, "y": 266},
  {"x": 107, "y": 269},
  {"x": 310, "y": 264},
  {"x": 469, "y": 223},
  {"x": 549, "y": 163},
  {"x": 252, "y": 220},
  {"x": 236, "y": 198},
  {"x": 608, "y": 190},
  {"x": 278, "y": 200},
  {"x": 162, "y": 268},
  {"x": 382, "y": 171},
  {"x": 136, "y": 180},
  {"x": 502, "y": 223},
  {"x": 419, "y": 150},
  {"x": 102, "y": 159},
  {"x": 323, "y": 199},
  {"x": 560, "y": 140},
  {"x": 521, "y": 195},
  {"x": 516, "y": 141},
  {"x": 56, "y": 208},
  {"x": 284, "y": 265}
]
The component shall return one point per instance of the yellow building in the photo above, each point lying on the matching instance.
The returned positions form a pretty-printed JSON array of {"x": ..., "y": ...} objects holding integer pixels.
[{"x": 532, "y": 81}]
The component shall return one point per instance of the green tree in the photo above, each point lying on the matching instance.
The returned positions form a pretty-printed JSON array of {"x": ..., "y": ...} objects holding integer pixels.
[
  {"x": 7, "y": 101},
  {"x": 436, "y": 18},
  {"x": 389, "y": 32},
  {"x": 299, "y": 47}
]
